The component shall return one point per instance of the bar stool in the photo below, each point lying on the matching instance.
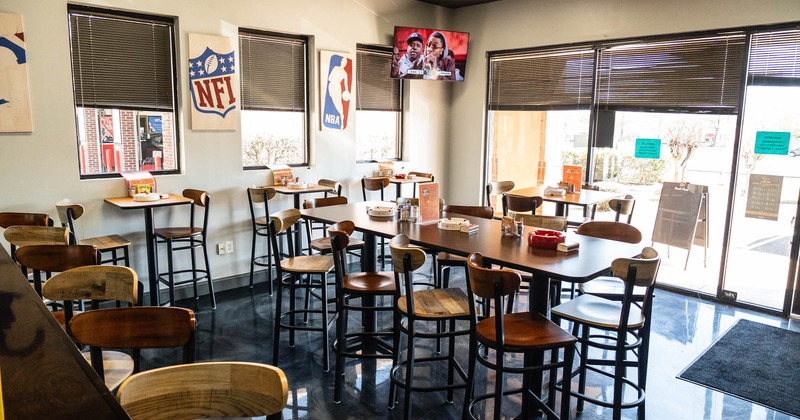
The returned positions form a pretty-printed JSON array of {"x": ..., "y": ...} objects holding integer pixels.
[
  {"x": 623, "y": 206},
  {"x": 366, "y": 286},
  {"x": 291, "y": 274},
  {"x": 419, "y": 175},
  {"x": 528, "y": 333},
  {"x": 521, "y": 203},
  {"x": 322, "y": 244},
  {"x": 258, "y": 198},
  {"x": 432, "y": 305},
  {"x": 376, "y": 184},
  {"x": 495, "y": 188},
  {"x": 187, "y": 238},
  {"x": 625, "y": 330},
  {"x": 68, "y": 212}
]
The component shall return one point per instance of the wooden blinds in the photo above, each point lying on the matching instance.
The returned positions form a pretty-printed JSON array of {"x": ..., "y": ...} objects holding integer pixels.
[
  {"x": 775, "y": 58},
  {"x": 273, "y": 72},
  {"x": 692, "y": 74},
  {"x": 121, "y": 61},
  {"x": 541, "y": 80},
  {"x": 375, "y": 89}
]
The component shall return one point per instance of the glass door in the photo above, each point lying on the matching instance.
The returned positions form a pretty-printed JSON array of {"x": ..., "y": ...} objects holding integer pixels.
[{"x": 758, "y": 268}]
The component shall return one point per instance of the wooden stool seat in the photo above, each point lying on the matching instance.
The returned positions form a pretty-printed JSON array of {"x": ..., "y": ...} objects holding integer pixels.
[
  {"x": 523, "y": 330},
  {"x": 597, "y": 312},
  {"x": 610, "y": 288},
  {"x": 376, "y": 283},
  {"x": 178, "y": 232},
  {"x": 105, "y": 243},
  {"x": 437, "y": 303},
  {"x": 308, "y": 264},
  {"x": 324, "y": 244}
]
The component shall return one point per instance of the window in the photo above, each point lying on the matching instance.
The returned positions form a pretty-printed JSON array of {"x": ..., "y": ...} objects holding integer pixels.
[
  {"x": 123, "y": 69},
  {"x": 538, "y": 114},
  {"x": 378, "y": 106},
  {"x": 274, "y": 99}
]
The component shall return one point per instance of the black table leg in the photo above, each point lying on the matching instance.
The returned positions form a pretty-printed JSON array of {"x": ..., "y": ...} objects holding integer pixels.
[{"x": 152, "y": 270}]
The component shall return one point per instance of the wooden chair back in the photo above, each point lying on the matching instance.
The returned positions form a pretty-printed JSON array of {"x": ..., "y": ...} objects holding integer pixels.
[
  {"x": 495, "y": 188},
  {"x": 590, "y": 187},
  {"x": 488, "y": 283},
  {"x": 68, "y": 212},
  {"x": 258, "y": 199},
  {"x": 558, "y": 223},
  {"x": 20, "y": 235},
  {"x": 45, "y": 260},
  {"x": 401, "y": 246},
  {"x": 646, "y": 264},
  {"x": 484, "y": 212},
  {"x": 217, "y": 389},
  {"x": 9, "y": 218},
  {"x": 95, "y": 283},
  {"x": 324, "y": 202},
  {"x": 134, "y": 328},
  {"x": 201, "y": 199},
  {"x": 373, "y": 184},
  {"x": 623, "y": 206},
  {"x": 521, "y": 203},
  {"x": 336, "y": 186},
  {"x": 616, "y": 231}
]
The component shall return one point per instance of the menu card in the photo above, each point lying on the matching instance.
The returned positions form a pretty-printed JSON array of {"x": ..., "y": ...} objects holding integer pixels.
[
  {"x": 428, "y": 202},
  {"x": 573, "y": 175},
  {"x": 280, "y": 173}
]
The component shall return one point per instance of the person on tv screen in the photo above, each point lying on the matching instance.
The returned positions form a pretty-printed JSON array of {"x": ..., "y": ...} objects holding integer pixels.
[
  {"x": 439, "y": 63},
  {"x": 409, "y": 66}
]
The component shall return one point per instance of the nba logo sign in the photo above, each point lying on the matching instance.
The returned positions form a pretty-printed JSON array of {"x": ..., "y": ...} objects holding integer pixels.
[
  {"x": 210, "y": 76},
  {"x": 338, "y": 92}
]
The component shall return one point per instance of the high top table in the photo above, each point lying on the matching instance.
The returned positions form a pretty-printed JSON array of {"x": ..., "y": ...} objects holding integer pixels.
[
  {"x": 592, "y": 260},
  {"x": 127, "y": 203},
  {"x": 43, "y": 374},
  {"x": 398, "y": 182},
  {"x": 584, "y": 198}
]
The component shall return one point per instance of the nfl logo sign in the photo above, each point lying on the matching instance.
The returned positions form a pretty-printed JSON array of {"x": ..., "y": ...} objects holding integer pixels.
[{"x": 211, "y": 85}]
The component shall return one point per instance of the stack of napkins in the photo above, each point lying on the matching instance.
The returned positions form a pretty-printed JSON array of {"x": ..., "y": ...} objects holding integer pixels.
[
  {"x": 567, "y": 247},
  {"x": 469, "y": 228}
]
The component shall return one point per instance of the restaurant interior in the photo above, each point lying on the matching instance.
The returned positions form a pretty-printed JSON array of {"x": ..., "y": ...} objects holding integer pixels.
[{"x": 449, "y": 141}]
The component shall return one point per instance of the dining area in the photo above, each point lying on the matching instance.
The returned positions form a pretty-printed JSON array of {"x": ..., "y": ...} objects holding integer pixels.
[{"x": 430, "y": 234}]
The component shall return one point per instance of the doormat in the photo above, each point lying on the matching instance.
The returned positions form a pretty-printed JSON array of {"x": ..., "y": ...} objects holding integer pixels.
[{"x": 755, "y": 362}]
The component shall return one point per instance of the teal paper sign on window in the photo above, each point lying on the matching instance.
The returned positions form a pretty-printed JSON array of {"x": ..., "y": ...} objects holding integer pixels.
[
  {"x": 648, "y": 149},
  {"x": 772, "y": 143}
]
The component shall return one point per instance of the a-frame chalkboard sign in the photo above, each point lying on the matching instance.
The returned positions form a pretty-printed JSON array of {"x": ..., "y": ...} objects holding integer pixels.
[{"x": 682, "y": 217}]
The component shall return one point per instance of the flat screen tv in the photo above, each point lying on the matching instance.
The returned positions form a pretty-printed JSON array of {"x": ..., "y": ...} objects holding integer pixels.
[{"x": 430, "y": 54}]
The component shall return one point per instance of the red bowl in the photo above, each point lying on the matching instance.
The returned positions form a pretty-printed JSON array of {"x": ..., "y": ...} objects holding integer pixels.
[
  {"x": 545, "y": 239},
  {"x": 400, "y": 176}
]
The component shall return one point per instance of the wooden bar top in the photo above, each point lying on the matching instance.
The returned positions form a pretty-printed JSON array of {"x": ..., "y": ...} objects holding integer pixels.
[{"x": 43, "y": 374}]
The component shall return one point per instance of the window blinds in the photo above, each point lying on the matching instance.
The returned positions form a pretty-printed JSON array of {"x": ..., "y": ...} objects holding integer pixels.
[
  {"x": 375, "y": 89},
  {"x": 121, "y": 62},
  {"x": 273, "y": 72}
]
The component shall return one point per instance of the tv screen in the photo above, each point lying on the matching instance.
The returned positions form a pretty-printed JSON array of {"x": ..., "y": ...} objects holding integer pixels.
[{"x": 430, "y": 54}]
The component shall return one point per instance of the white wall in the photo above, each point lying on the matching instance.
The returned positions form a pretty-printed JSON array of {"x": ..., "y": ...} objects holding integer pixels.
[
  {"x": 41, "y": 167},
  {"x": 509, "y": 24}
]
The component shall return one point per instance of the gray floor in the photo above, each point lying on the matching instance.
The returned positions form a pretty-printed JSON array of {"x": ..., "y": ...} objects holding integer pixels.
[{"x": 241, "y": 329}]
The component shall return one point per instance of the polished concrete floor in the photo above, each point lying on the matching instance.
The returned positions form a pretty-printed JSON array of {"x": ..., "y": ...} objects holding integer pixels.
[{"x": 241, "y": 329}]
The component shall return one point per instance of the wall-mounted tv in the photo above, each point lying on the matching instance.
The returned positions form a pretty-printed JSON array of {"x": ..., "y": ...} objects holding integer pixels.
[{"x": 430, "y": 54}]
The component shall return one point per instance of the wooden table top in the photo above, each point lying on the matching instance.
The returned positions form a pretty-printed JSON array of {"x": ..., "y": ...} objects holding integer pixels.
[
  {"x": 42, "y": 372},
  {"x": 593, "y": 258},
  {"x": 406, "y": 180},
  {"x": 283, "y": 189},
  {"x": 127, "y": 203},
  {"x": 581, "y": 198}
]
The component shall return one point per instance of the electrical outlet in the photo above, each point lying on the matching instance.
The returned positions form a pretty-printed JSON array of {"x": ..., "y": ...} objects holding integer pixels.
[
  {"x": 229, "y": 247},
  {"x": 221, "y": 249}
]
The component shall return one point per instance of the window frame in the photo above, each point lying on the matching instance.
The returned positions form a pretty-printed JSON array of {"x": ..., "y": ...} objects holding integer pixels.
[
  {"x": 169, "y": 21},
  {"x": 306, "y": 41},
  {"x": 381, "y": 50}
]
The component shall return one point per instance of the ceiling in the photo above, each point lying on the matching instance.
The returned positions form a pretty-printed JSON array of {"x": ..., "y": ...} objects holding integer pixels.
[{"x": 455, "y": 4}]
